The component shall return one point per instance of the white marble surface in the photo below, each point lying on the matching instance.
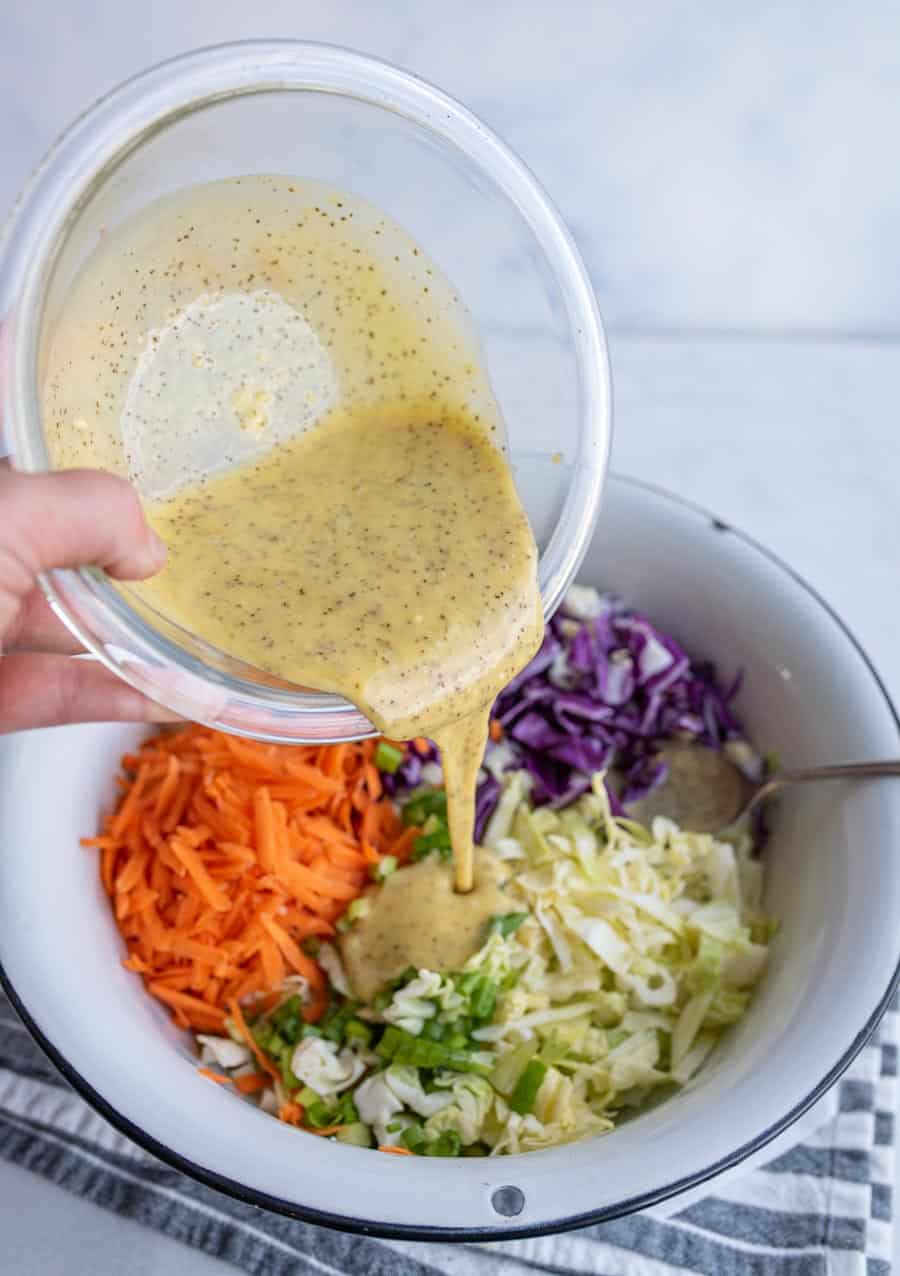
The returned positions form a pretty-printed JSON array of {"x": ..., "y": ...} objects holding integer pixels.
[
  {"x": 721, "y": 165},
  {"x": 729, "y": 173}
]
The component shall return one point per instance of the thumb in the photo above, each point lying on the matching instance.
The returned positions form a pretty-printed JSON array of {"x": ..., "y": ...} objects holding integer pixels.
[{"x": 76, "y": 518}]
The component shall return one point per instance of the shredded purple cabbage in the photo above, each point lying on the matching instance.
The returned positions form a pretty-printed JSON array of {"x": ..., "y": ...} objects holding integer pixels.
[{"x": 601, "y": 693}]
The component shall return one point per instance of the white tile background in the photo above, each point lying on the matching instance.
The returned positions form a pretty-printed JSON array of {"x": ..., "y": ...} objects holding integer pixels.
[
  {"x": 730, "y": 173},
  {"x": 723, "y": 165}
]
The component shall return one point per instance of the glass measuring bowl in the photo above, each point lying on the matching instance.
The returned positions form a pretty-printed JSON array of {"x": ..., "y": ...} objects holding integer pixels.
[{"x": 358, "y": 124}]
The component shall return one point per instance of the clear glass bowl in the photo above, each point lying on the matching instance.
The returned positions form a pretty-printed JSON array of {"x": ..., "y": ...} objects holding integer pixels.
[{"x": 360, "y": 124}]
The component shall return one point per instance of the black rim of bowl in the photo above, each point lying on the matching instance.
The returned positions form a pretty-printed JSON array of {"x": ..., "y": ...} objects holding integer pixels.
[{"x": 342, "y": 1222}]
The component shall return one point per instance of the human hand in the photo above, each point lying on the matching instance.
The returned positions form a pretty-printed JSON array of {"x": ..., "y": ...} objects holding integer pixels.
[{"x": 71, "y": 519}]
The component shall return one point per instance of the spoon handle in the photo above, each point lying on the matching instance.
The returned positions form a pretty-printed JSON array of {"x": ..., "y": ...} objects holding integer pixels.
[{"x": 843, "y": 771}]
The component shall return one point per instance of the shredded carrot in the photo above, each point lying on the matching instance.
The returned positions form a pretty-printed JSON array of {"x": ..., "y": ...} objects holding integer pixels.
[
  {"x": 302, "y": 964},
  {"x": 123, "y": 817},
  {"x": 373, "y": 781},
  {"x": 265, "y": 829},
  {"x": 370, "y": 855},
  {"x": 223, "y": 855},
  {"x": 241, "y": 1024},
  {"x": 421, "y": 746},
  {"x": 168, "y": 787},
  {"x": 369, "y": 826},
  {"x": 251, "y": 1083},
  {"x": 394, "y": 1150},
  {"x": 194, "y": 865},
  {"x": 218, "y": 1077},
  {"x": 496, "y": 730},
  {"x": 290, "y": 1113},
  {"x": 325, "y": 1129},
  {"x": 402, "y": 848},
  {"x": 107, "y": 867}
]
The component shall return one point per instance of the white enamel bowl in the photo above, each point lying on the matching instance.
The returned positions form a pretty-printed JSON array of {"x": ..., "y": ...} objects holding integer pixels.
[{"x": 833, "y": 879}]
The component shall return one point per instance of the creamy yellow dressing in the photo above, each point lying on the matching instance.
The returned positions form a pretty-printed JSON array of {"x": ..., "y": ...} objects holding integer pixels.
[
  {"x": 296, "y": 391},
  {"x": 703, "y": 790},
  {"x": 384, "y": 559},
  {"x": 394, "y": 935}
]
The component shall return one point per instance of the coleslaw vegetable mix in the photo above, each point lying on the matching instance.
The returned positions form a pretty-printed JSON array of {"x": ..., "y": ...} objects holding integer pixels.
[{"x": 625, "y": 953}]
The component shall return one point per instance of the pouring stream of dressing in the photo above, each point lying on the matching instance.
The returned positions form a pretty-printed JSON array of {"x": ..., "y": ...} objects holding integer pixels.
[
  {"x": 386, "y": 560},
  {"x": 296, "y": 391}
]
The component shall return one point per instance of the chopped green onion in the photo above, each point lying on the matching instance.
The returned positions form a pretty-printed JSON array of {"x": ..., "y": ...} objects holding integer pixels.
[
  {"x": 421, "y": 805},
  {"x": 523, "y": 1096},
  {"x": 356, "y": 1030},
  {"x": 318, "y": 1114},
  {"x": 507, "y": 923},
  {"x": 288, "y": 1020},
  {"x": 356, "y": 1135},
  {"x": 388, "y": 757},
  {"x": 276, "y": 1045},
  {"x": 419, "y": 1052},
  {"x": 462, "y": 1062},
  {"x": 292, "y": 1030},
  {"x": 483, "y": 998},
  {"x": 422, "y": 1054},
  {"x": 308, "y": 1095},
  {"x": 439, "y": 840},
  {"x": 286, "y": 1010},
  {"x": 390, "y": 1039},
  {"x": 291, "y": 1082},
  {"x": 384, "y": 868},
  {"x": 447, "y": 1143},
  {"x": 358, "y": 908},
  {"x": 262, "y": 1033},
  {"x": 333, "y": 1023},
  {"x": 434, "y": 1030},
  {"x": 346, "y": 1113},
  {"x": 413, "y": 1137},
  {"x": 511, "y": 1065}
]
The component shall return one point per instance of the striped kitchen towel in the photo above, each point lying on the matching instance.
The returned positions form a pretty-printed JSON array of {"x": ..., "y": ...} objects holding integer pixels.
[{"x": 821, "y": 1209}]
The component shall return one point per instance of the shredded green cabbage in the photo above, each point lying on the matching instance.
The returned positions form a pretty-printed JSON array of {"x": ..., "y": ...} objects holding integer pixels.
[{"x": 639, "y": 948}]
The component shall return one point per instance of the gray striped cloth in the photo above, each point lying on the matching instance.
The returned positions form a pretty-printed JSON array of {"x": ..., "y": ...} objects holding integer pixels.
[{"x": 821, "y": 1209}]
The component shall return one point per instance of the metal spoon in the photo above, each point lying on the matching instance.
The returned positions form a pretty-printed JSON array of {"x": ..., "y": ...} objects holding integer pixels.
[{"x": 706, "y": 793}]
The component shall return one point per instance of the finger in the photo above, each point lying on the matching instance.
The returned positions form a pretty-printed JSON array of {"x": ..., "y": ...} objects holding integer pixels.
[
  {"x": 4, "y": 330},
  {"x": 38, "y": 628},
  {"x": 75, "y": 518},
  {"x": 46, "y": 691}
]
